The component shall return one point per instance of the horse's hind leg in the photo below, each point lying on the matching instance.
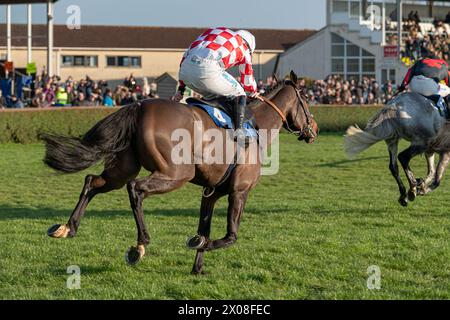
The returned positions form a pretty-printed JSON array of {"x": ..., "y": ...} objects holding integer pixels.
[
  {"x": 393, "y": 167},
  {"x": 423, "y": 184},
  {"x": 88, "y": 192},
  {"x": 125, "y": 169},
  {"x": 405, "y": 157},
  {"x": 444, "y": 159},
  {"x": 431, "y": 168},
  {"x": 138, "y": 190},
  {"x": 204, "y": 229}
]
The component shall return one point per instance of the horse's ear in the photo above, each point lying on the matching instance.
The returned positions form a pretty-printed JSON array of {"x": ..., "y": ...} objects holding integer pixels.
[{"x": 293, "y": 77}]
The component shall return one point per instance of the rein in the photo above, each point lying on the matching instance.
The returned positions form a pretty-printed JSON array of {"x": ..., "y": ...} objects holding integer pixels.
[
  {"x": 307, "y": 129},
  {"x": 274, "y": 106}
]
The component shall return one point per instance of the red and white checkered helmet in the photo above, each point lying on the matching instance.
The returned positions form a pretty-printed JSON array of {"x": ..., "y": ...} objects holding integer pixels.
[{"x": 249, "y": 38}]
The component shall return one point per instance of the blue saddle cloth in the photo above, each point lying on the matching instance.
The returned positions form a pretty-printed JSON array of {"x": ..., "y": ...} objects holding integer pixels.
[{"x": 223, "y": 120}]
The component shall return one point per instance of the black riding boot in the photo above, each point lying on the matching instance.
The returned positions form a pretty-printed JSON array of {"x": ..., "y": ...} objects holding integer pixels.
[{"x": 239, "y": 118}]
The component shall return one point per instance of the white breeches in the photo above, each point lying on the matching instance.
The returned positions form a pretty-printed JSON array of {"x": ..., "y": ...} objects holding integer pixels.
[
  {"x": 428, "y": 87},
  {"x": 209, "y": 79}
]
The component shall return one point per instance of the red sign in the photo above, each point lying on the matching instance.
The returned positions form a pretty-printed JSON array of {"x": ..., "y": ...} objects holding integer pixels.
[{"x": 390, "y": 52}]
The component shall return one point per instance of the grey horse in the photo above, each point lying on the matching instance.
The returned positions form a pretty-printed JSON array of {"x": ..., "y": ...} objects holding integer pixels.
[{"x": 412, "y": 117}]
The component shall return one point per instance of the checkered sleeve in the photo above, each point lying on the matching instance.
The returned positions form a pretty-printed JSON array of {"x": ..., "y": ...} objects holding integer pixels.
[{"x": 246, "y": 71}]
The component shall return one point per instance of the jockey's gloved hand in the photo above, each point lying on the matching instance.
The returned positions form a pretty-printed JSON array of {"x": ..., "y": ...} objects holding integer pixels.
[{"x": 254, "y": 95}]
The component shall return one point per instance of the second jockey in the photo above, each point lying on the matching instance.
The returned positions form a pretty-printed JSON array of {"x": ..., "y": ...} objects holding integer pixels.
[
  {"x": 429, "y": 77},
  {"x": 204, "y": 64}
]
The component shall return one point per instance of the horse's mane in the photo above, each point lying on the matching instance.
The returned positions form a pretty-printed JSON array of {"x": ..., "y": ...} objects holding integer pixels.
[{"x": 272, "y": 92}]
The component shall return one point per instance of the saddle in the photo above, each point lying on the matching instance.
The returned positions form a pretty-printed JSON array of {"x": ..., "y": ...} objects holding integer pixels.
[
  {"x": 224, "y": 104},
  {"x": 221, "y": 111}
]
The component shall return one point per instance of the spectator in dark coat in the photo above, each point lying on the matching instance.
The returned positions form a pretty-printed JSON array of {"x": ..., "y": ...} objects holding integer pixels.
[
  {"x": 80, "y": 101},
  {"x": 16, "y": 103}
]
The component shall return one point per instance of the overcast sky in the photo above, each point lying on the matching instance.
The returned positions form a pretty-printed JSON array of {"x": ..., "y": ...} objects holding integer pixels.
[{"x": 281, "y": 14}]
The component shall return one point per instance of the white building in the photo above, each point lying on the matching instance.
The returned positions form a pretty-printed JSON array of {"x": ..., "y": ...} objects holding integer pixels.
[{"x": 356, "y": 40}]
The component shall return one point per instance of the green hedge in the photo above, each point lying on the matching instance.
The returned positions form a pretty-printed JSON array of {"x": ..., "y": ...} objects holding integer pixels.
[
  {"x": 23, "y": 126},
  {"x": 339, "y": 118}
]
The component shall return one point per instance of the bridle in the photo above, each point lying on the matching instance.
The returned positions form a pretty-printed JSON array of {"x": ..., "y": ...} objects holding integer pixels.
[{"x": 308, "y": 130}]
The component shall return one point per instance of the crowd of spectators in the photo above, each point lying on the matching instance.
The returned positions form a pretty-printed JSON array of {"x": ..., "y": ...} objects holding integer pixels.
[
  {"x": 425, "y": 39},
  {"x": 53, "y": 92},
  {"x": 337, "y": 91}
]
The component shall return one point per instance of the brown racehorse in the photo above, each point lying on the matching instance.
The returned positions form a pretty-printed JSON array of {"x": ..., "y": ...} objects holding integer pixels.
[{"x": 139, "y": 135}]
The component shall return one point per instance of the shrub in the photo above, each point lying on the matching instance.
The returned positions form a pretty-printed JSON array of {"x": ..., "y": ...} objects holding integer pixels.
[
  {"x": 24, "y": 126},
  {"x": 339, "y": 118}
]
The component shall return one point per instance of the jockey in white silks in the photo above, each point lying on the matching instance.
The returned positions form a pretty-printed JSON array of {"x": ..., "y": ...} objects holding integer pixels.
[
  {"x": 429, "y": 77},
  {"x": 204, "y": 64}
]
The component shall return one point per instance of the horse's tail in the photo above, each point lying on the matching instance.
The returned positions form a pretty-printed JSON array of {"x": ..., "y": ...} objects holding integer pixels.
[
  {"x": 379, "y": 128},
  {"x": 104, "y": 141}
]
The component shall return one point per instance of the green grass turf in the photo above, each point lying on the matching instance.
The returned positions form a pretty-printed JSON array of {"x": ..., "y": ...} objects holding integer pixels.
[{"x": 309, "y": 232}]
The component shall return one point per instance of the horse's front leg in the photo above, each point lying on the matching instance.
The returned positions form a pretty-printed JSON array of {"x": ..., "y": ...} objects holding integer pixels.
[
  {"x": 405, "y": 158},
  {"x": 236, "y": 204},
  {"x": 204, "y": 228},
  {"x": 444, "y": 160}
]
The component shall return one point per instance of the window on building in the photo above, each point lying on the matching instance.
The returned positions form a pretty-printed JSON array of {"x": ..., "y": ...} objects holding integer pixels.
[
  {"x": 340, "y": 6},
  {"x": 124, "y": 61},
  {"x": 366, "y": 54},
  {"x": 336, "y": 39},
  {"x": 350, "y": 61},
  {"x": 79, "y": 61},
  {"x": 368, "y": 65},
  {"x": 337, "y": 66},
  {"x": 352, "y": 50},
  {"x": 338, "y": 50},
  {"x": 354, "y": 9},
  {"x": 388, "y": 75},
  {"x": 352, "y": 65}
]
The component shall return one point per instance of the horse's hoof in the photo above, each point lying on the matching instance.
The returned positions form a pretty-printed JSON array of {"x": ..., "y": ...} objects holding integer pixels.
[
  {"x": 58, "y": 231},
  {"x": 412, "y": 195},
  {"x": 198, "y": 272},
  {"x": 134, "y": 254},
  {"x": 421, "y": 191},
  {"x": 403, "y": 202},
  {"x": 196, "y": 242}
]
